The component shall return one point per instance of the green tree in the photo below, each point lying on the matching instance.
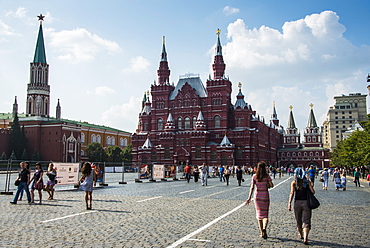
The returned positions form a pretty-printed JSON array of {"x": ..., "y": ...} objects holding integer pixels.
[
  {"x": 355, "y": 150},
  {"x": 3, "y": 156},
  {"x": 36, "y": 156},
  {"x": 12, "y": 156},
  {"x": 17, "y": 137},
  {"x": 114, "y": 154},
  {"x": 96, "y": 153},
  {"x": 127, "y": 154},
  {"x": 24, "y": 154}
]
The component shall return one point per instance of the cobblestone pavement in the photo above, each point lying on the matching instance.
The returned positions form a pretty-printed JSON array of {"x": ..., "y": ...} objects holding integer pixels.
[{"x": 181, "y": 214}]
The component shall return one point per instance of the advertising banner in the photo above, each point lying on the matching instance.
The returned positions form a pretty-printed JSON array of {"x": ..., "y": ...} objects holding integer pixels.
[
  {"x": 144, "y": 171},
  {"x": 158, "y": 171},
  {"x": 67, "y": 173}
]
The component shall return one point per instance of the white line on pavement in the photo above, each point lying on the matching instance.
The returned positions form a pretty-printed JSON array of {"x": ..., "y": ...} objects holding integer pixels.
[
  {"x": 150, "y": 199},
  {"x": 68, "y": 216},
  {"x": 210, "y": 187},
  {"x": 200, "y": 240},
  {"x": 187, "y": 237},
  {"x": 187, "y": 191}
]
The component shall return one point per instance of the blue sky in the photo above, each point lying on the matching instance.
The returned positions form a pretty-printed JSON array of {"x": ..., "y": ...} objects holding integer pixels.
[{"x": 103, "y": 55}]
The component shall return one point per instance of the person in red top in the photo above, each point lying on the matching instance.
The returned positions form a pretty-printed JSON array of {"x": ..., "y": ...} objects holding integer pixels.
[
  {"x": 187, "y": 171},
  {"x": 368, "y": 178}
]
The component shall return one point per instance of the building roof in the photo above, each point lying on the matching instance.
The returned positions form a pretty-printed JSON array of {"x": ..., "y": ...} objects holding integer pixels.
[
  {"x": 40, "y": 56},
  {"x": 302, "y": 149},
  {"x": 291, "y": 123},
  {"x": 312, "y": 119},
  {"x": 194, "y": 81}
]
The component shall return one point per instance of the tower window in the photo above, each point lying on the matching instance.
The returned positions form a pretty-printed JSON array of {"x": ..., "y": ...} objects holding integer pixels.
[
  {"x": 160, "y": 124},
  {"x": 187, "y": 123},
  {"x": 217, "y": 121}
]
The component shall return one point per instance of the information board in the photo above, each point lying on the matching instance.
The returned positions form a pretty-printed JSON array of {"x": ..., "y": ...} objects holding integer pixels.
[
  {"x": 67, "y": 173},
  {"x": 158, "y": 171}
]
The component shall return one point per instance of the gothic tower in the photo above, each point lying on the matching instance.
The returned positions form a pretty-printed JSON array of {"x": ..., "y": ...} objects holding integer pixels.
[
  {"x": 292, "y": 136},
  {"x": 38, "y": 90},
  {"x": 312, "y": 134}
]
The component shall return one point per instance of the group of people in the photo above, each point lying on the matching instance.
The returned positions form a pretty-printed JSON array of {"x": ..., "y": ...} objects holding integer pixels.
[
  {"x": 262, "y": 182},
  {"x": 24, "y": 179}
]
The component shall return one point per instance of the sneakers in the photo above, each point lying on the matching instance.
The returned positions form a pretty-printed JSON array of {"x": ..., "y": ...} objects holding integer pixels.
[{"x": 13, "y": 202}]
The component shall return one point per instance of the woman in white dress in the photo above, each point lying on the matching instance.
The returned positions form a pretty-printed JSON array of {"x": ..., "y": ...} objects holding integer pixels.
[{"x": 86, "y": 183}]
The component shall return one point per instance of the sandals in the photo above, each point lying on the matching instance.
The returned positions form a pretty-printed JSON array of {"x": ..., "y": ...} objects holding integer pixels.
[{"x": 264, "y": 234}]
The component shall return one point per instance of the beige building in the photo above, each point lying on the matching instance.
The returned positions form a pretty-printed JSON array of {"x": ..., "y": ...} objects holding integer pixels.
[{"x": 343, "y": 115}]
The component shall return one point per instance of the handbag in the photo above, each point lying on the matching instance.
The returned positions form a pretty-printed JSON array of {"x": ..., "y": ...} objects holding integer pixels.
[
  {"x": 17, "y": 182},
  {"x": 321, "y": 179},
  {"x": 312, "y": 201}
]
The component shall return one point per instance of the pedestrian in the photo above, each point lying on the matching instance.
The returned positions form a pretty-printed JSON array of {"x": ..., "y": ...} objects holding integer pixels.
[
  {"x": 368, "y": 178},
  {"x": 344, "y": 181},
  {"x": 221, "y": 171},
  {"x": 227, "y": 174},
  {"x": 23, "y": 180},
  {"x": 37, "y": 183},
  {"x": 51, "y": 173},
  {"x": 196, "y": 173},
  {"x": 204, "y": 170},
  {"x": 28, "y": 168},
  {"x": 187, "y": 171},
  {"x": 325, "y": 177},
  {"x": 302, "y": 212},
  {"x": 239, "y": 175},
  {"x": 262, "y": 181},
  {"x": 312, "y": 173},
  {"x": 357, "y": 176},
  {"x": 337, "y": 179},
  {"x": 86, "y": 182}
]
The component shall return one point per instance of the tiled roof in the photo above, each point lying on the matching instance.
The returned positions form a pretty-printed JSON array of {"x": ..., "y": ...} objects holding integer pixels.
[{"x": 194, "y": 82}]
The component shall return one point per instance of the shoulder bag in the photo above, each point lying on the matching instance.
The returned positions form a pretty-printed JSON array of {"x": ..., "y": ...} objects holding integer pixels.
[{"x": 312, "y": 201}]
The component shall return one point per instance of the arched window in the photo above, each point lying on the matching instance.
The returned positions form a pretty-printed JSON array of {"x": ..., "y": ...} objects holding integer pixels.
[
  {"x": 313, "y": 139},
  {"x": 179, "y": 123},
  {"x": 239, "y": 122},
  {"x": 217, "y": 121},
  {"x": 108, "y": 140},
  {"x": 198, "y": 152},
  {"x": 98, "y": 139},
  {"x": 93, "y": 138},
  {"x": 160, "y": 124},
  {"x": 113, "y": 141},
  {"x": 124, "y": 142},
  {"x": 82, "y": 138},
  {"x": 194, "y": 121},
  {"x": 187, "y": 123}
]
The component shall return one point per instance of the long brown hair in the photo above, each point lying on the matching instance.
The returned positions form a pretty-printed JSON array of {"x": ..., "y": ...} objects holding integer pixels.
[
  {"x": 261, "y": 171},
  {"x": 86, "y": 169}
]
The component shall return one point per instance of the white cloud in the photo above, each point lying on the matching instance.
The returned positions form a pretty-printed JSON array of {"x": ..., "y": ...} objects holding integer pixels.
[
  {"x": 124, "y": 116},
  {"x": 79, "y": 44},
  {"x": 102, "y": 91},
  {"x": 137, "y": 64},
  {"x": 6, "y": 30},
  {"x": 19, "y": 13},
  {"x": 230, "y": 10}
]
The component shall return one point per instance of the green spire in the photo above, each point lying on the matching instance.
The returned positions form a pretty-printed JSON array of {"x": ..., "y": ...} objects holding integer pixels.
[
  {"x": 311, "y": 118},
  {"x": 40, "y": 56},
  {"x": 291, "y": 123}
]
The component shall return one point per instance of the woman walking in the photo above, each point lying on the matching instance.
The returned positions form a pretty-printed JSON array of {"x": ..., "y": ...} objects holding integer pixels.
[
  {"x": 239, "y": 175},
  {"x": 38, "y": 183},
  {"x": 262, "y": 182},
  {"x": 196, "y": 173},
  {"x": 86, "y": 183},
  {"x": 23, "y": 181},
  {"x": 52, "y": 173},
  {"x": 302, "y": 212},
  {"x": 325, "y": 177},
  {"x": 227, "y": 174}
]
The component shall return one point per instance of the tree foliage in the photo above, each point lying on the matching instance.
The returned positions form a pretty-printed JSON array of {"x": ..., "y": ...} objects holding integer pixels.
[
  {"x": 354, "y": 151},
  {"x": 17, "y": 138},
  {"x": 114, "y": 154},
  {"x": 95, "y": 152}
]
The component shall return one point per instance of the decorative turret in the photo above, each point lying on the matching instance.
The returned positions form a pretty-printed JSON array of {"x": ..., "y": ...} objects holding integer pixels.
[
  {"x": 200, "y": 125},
  {"x": 147, "y": 144},
  {"x": 225, "y": 141},
  {"x": 15, "y": 108},
  {"x": 163, "y": 71},
  {"x": 218, "y": 65},
  {"x": 312, "y": 134},
  {"x": 170, "y": 125},
  {"x": 58, "y": 111},
  {"x": 38, "y": 90},
  {"x": 240, "y": 103},
  {"x": 274, "y": 117},
  {"x": 291, "y": 137},
  {"x": 148, "y": 106}
]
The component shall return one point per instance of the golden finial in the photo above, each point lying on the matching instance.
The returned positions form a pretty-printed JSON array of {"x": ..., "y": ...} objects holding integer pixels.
[
  {"x": 311, "y": 105},
  {"x": 218, "y": 32},
  {"x": 274, "y": 104},
  {"x": 291, "y": 107},
  {"x": 163, "y": 39},
  {"x": 239, "y": 85}
]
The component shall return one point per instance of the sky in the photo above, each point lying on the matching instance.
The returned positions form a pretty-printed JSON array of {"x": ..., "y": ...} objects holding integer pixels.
[{"x": 103, "y": 55}]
